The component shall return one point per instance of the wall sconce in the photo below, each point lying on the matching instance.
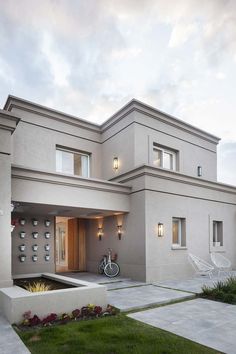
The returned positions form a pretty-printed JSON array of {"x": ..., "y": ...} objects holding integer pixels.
[
  {"x": 199, "y": 171},
  {"x": 100, "y": 233},
  {"x": 160, "y": 230},
  {"x": 115, "y": 163},
  {"x": 119, "y": 232}
]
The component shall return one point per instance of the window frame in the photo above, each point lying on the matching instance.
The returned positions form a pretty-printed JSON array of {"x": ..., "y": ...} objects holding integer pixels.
[
  {"x": 181, "y": 233},
  {"x": 163, "y": 150},
  {"x": 74, "y": 152},
  {"x": 217, "y": 233}
]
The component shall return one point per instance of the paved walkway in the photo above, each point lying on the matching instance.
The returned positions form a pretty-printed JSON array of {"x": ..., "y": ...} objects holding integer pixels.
[
  {"x": 194, "y": 284},
  {"x": 209, "y": 323},
  {"x": 144, "y": 296},
  {"x": 10, "y": 342}
]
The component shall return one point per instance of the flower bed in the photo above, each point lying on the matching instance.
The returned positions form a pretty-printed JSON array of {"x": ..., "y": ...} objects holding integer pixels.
[
  {"x": 224, "y": 291},
  {"x": 87, "y": 312}
]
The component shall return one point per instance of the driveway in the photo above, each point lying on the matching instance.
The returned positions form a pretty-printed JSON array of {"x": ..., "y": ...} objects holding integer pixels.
[{"x": 209, "y": 323}]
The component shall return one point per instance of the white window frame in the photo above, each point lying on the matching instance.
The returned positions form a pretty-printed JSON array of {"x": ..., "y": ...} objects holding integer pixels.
[
  {"x": 218, "y": 240},
  {"x": 181, "y": 233},
  {"x": 74, "y": 152},
  {"x": 172, "y": 153}
]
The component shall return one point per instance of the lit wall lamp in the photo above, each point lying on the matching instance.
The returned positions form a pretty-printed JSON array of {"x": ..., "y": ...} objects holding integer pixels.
[
  {"x": 119, "y": 231},
  {"x": 199, "y": 171},
  {"x": 160, "y": 230},
  {"x": 115, "y": 163},
  {"x": 100, "y": 233}
]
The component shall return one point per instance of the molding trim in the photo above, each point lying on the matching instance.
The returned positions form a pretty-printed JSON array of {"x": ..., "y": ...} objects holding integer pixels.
[
  {"x": 174, "y": 176},
  {"x": 182, "y": 195},
  {"x": 66, "y": 180}
]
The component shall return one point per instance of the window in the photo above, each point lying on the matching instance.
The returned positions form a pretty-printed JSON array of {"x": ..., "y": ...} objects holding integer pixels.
[
  {"x": 179, "y": 232},
  {"x": 71, "y": 162},
  {"x": 217, "y": 233},
  {"x": 164, "y": 158}
]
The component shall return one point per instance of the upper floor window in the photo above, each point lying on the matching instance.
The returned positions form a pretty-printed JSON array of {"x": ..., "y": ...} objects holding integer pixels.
[
  {"x": 72, "y": 162},
  {"x": 164, "y": 158}
]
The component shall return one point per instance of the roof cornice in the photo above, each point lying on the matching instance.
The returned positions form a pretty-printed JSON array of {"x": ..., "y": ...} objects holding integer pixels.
[
  {"x": 8, "y": 121},
  {"x": 133, "y": 105},
  {"x": 146, "y": 170}
]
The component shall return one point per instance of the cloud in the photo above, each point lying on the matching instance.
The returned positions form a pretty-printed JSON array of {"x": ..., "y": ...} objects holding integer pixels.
[{"x": 88, "y": 58}]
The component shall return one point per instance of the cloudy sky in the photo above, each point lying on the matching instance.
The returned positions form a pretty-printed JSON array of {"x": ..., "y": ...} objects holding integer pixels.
[{"x": 90, "y": 57}]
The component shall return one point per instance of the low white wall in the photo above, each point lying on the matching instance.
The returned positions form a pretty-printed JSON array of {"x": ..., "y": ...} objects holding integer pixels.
[{"x": 15, "y": 301}]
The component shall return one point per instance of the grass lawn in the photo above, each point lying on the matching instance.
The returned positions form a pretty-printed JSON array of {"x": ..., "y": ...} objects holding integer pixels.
[{"x": 111, "y": 335}]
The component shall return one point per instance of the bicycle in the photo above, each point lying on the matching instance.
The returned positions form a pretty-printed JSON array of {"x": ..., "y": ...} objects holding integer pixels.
[{"x": 108, "y": 266}]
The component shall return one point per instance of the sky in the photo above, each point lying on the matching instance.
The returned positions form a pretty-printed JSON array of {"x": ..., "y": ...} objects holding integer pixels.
[{"x": 90, "y": 57}]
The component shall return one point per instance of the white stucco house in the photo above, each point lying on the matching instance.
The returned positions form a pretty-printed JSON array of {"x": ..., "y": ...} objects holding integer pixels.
[{"x": 143, "y": 183}]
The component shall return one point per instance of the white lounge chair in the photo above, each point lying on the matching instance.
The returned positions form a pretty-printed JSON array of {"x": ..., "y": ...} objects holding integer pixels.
[
  {"x": 200, "y": 266},
  {"x": 221, "y": 262}
]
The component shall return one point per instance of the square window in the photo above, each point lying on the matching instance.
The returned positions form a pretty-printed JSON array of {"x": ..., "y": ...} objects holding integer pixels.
[
  {"x": 164, "y": 158},
  {"x": 71, "y": 162}
]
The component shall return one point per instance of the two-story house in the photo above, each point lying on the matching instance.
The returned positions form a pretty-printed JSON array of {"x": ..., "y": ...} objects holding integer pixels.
[{"x": 143, "y": 183}]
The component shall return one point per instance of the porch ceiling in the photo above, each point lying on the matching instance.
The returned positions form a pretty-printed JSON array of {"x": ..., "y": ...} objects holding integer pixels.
[{"x": 57, "y": 210}]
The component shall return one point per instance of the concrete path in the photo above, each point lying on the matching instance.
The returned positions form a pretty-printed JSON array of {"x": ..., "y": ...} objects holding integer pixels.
[
  {"x": 209, "y": 323},
  {"x": 9, "y": 341},
  {"x": 133, "y": 298},
  {"x": 194, "y": 284}
]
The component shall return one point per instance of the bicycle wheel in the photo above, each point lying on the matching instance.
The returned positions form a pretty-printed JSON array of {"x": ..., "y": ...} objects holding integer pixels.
[
  {"x": 101, "y": 268},
  {"x": 112, "y": 270}
]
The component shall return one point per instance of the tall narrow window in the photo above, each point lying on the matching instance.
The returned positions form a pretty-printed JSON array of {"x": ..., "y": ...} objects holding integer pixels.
[
  {"x": 179, "y": 232},
  {"x": 71, "y": 162},
  {"x": 164, "y": 158},
  {"x": 217, "y": 233}
]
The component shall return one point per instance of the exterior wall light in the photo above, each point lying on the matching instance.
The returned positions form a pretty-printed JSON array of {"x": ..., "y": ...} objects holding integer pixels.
[
  {"x": 199, "y": 171},
  {"x": 160, "y": 230},
  {"x": 119, "y": 232},
  {"x": 100, "y": 233},
  {"x": 115, "y": 163}
]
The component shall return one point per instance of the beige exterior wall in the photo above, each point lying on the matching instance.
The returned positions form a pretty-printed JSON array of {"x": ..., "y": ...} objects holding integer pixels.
[
  {"x": 7, "y": 127},
  {"x": 34, "y": 146},
  {"x": 131, "y": 247},
  {"x": 41, "y": 265}
]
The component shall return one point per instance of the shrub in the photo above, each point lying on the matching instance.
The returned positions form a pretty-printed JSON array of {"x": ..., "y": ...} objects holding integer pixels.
[
  {"x": 224, "y": 291},
  {"x": 37, "y": 286}
]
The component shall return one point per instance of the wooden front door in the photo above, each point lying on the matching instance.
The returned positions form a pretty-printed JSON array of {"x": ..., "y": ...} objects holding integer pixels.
[{"x": 76, "y": 244}]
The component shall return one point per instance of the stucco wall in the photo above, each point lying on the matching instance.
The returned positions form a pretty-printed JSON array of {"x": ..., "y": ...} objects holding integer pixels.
[
  {"x": 191, "y": 151},
  {"x": 34, "y": 146},
  {"x": 5, "y": 219},
  {"x": 41, "y": 265},
  {"x": 131, "y": 247}
]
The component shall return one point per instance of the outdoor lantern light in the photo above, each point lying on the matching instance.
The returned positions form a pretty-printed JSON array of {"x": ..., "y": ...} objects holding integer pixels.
[
  {"x": 100, "y": 233},
  {"x": 115, "y": 163},
  {"x": 119, "y": 232},
  {"x": 199, "y": 171},
  {"x": 160, "y": 229}
]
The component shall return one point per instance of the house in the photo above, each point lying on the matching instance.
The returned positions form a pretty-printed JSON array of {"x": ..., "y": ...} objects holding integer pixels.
[{"x": 143, "y": 183}]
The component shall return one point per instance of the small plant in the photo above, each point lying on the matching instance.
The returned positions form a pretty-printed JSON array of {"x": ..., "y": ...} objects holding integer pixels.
[
  {"x": 87, "y": 312},
  {"x": 37, "y": 287},
  {"x": 224, "y": 291}
]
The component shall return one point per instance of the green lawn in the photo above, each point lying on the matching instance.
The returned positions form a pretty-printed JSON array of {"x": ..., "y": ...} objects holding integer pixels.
[{"x": 111, "y": 335}]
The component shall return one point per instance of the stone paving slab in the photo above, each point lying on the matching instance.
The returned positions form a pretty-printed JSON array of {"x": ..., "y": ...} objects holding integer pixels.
[
  {"x": 209, "y": 323},
  {"x": 10, "y": 342},
  {"x": 143, "y": 296},
  {"x": 195, "y": 284},
  {"x": 93, "y": 277}
]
